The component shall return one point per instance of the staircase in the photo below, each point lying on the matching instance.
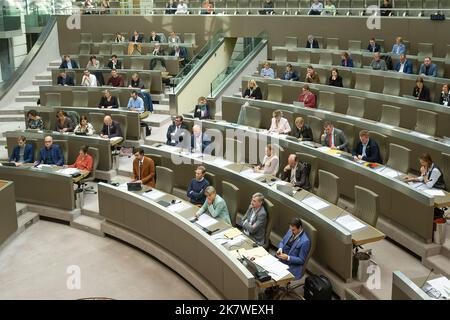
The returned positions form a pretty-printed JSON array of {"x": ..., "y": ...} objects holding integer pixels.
[{"x": 441, "y": 262}]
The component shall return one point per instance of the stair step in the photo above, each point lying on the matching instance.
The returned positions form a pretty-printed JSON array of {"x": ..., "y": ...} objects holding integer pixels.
[
  {"x": 10, "y": 111},
  {"x": 42, "y": 82},
  {"x": 445, "y": 250},
  {"x": 32, "y": 99},
  {"x": 21, "y": 208},
  {"x": 440, "y": 264},
  {"x": 88, "y": 224},
  {"x": 26, "y": 220},
  {"x": 43, "y": 76},
  {"x": 161, "y": 109},
  {"x": 157, "y": 120},
  {"x": 29, "y": 92}
]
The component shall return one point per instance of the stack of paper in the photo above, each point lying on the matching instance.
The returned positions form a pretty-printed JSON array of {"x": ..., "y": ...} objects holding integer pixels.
[
  {"x": 249, "y": 173},
  {"x": 442, "y": 285},
  {"x": 236, "y": 240},
  {"x": 68, "y": 171},
  {"x": 276, "y": 269},
  {"x": 315, "y": 203},
  {"x": 179, "y": 207},
  {"x": 256, "y": 252},
  {"x": 434, "y": 192},
  {"x": 232, "y": 233},
  {"x": 350, "y": 223},
  {"x": 154, "y": 194},
  {"x": 221, "y": 162},
  {"x": 388, "y": 172},
  {"x": 205, "y": 220},
  {"x": 415, "y": 184}
]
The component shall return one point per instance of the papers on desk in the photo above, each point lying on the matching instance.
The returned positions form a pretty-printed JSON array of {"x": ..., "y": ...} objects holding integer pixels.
[
  {"x": 434, "y": 192},
  {"x": 154, "y": 194},
  {"x": 350, "y": 223},
  {"x": 388, "y": 172},
  {"x": 419, "y": 134},
  {"x": 315, "y": 203},
  {"x": 220, "y": 162},
  {"x": 115, "y": 140},
  {"x": 123, "y": 186},
  {"x": 232, "y": 233},
  {"x": 205, "y": 220},
  {"x": 256, "y": 252},
  {"x": 416, "y": 185},
  {"x": 168, "y": 148},
  {"x": 69, "y": 171},
  {"x": 249, "y": 173},
  {"x": 276, "y": 269},
  {"x": 44, "y": 166},
  {"x": 323, "y": 148},
  {"x": 179, "y": 207},
  {"x": 442, "y": 285}
]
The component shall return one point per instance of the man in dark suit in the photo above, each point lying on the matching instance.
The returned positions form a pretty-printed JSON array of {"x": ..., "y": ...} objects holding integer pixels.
[
  {"x": 111, "y": 128},
  {"x": 254, "y": 222},
  {"x": 50, "y": 153},
  {"x": 114, "y": 63},
  {"x": 367, "y": 149},
  {"x": 333, "y": 137},
  {"x": 404, "y": 65},
  {"x": 154, "y": 37},
  {"x": 199, "y": 140},
  {"x": 136, "y": 40},
  {"x": 22, "y": 152},
  {"x": 373, "y": 46},
  {"x": 136, "y": 37},
  {"x": 65, "y": 80},
  {"x": 302, "y": 131},
  {"x": 312, "y": 43},
  {"x": 296, "y": 173},
  {"x": 68, "y": 63},
  {"x": 181, "y": 54},
  {"x": 176, "y": 132}
]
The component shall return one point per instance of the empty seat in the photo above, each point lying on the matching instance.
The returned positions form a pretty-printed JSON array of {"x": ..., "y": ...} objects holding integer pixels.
[
  {"x": 291, "y": 42},
  {"x": 398, "y": 157},
  {"x": 357, "y": 59},
  {"x": 104, "y": 49},
  {"x": 86, "y": 37},
  {"x": 275, "y": 93},
  {"x": 211, "y": 177},
  {"x": 382, "y": 142},
  {"x": 354, "y": 45},
  {"x": 325, "y": 58},
  {"x": 250, "y": 116},
  {"x": 333, "y": 43},
  {"x": 157, "y": 159},
  {"x": 85, "y": 48},
  {"x": 445, "y": 168},
  {"x": 327, "y": 100},
  {"x": 349, "y": 131},
  {"x": 136, "y": 64},
  {"x": 316, "y": 127},
  {"x": 390, "y": 115},
  {"x": 164, "y": 179},
  {"x": 304, "y": 57},
  {"x": 118, "y": 49},
  {"x": 53, "y": 99},
  {"x": 356, "y": 106},
  {"x": 381, "y": 43},
  {"x": 280, "y": 54},
  {"x": 362, "y": 81},
  {"x": 400, "y": 4},
  {"x": 80, "y": 99},
  {"x": 366, "y": 205},
  {"x": 415, "y": 8},
  {"x": 312, "y": 160},
  {"x": 424, "y": 50},
  {"x": 343, "y": 7},
  {"x": 357, "y": 7},
  {"x": 108, "y": 37},
  {"x": 293, "y": 6},
  {"x": 189, "y": 38},
  {"x": 230, "y": 193},
  {"x": 391, "y": 86},
  {"x": 305, "y": 5},
  {"x": 426, "y": 122},
  {"x": 328, "y": 187},
  {"x": 96, "y": 119}
]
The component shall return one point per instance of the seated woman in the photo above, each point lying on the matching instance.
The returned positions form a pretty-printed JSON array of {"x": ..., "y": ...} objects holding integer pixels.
[
  {"x": 22, "y": 152},
  {"x": 84, "y": 161},
  {"x": 34, "y": 121},
  {"x": 335, "y": 79},
  {"x": 347, "y": 60},
  {"x": 430, "y": 174},
  {"x": 63, "y": 123},
  {"x": 136, "y": 82},
  {"x": 89, "y": 7},
  {"x": 119, "y": 38},
  {"x": 108, "y": 101},
  {"x": 252, "y": 91},
  {"x": 267, "y": 71},
  {"x": 94, "y": 65},
  {"x": 279, "y": 124},
  {"x": 420, "y": 92},
  {"x": 84, "y": 126},
  {"x": 444, "y": 99},
  {"x": 290, "y": 74},
  {"x": 270, "y": 162},
  {"x": 329, "y": 9},
  {"x": 307, "y": 97},
  {"x": 302, "y": 131},
  {"x": 105, "y": 7},
  {"x": 202, "y": 109}
]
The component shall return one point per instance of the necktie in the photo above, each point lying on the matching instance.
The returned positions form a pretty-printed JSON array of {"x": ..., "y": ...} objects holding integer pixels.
[
  {"x": 330, "y": 143},
  {"x": 140, "y": 167},
  {"x": 109, "y": 131}
]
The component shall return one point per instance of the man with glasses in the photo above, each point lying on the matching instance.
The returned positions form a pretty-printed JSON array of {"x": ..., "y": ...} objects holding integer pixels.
[
  {"x": 176, "y": 131},
  {"x": 51, "y": 153}
]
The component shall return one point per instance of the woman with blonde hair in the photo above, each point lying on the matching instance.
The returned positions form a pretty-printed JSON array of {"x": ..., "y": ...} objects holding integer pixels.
[{"x": 252, "y": 91}]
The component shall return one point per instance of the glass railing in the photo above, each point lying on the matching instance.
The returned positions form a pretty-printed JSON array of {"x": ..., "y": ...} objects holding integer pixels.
[{"x": 9, "y": 19}]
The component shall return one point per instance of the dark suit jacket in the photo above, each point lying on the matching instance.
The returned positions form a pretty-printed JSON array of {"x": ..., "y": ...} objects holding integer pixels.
[
  {"x": 349, "y": 62},
  {"x": 301, "y": 181},
  {"x": 139, "y": 39},
  {"x": 114, "y": 131},
  {"x": 257, "y": 94},
  {"x": 335, "y": 83},
  {"x": 424, "y": 95},
  {"x": 372, "y": 151},
  {"x": 64, "y": 64},
  {"x": 57, "y": 155},
  {"x": 377, "y": 48},
  {"x": 306, "y": 133},
  {"x": 197, "y": 113},
  {"x": 118, "y": 65},
  {"x": 157, "y": 38},
  {"x": 315, "y": 44},
  {"x": 340, "y": 140},
  {"x": 112, "y": 103},
  {"x": 28, "y": 154},
  {"x": 147, "y": 171},
  {"x": 182, "y": 55},
  {"x": 178, "y": 137},
  {"x": 205, "y": 141},
  {"x": 408, "y": 68},
  {"x": 67, "y": 81}
]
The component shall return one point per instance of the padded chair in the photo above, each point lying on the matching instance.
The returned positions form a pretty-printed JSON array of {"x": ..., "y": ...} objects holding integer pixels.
[
  {"x": 189, "y": 38},
  {"x": 362, "y": 81},
  {"x": 53, "y": 99},
  {"x": 211, "y": 177},
  {"x": 268, "y": 205},
  {"x": 122, "y": 119},
  {"x": 86, "y": 37},
  {"x": 96, "y": 119},
  {"x": 426, "y": 122},
  {"x": 401, "y": 4},
  {"x": 357, "y": 60},
  {"x": 293, "y": 6},
  {"x": 157, "y": 159},
  {"x": 328, "y": 186},
  {"x": 357, "y": 7},
  {"x": 327, "y": 100},
  {"x": 424, "y": 50},
  {"x": 351, "y": 295},
  {"x": 325, "y": 58},
  {"x": 445, "y": 168},
  {"x": 333, "y": 43},
  {"x": 289, "y": 115},
  {"x": 164, "y": 179},
  {"x": 80, "y": 99},
  {"x": 349, "y": 131},
  {"x": 104, "y": 49},
  {"x": 250, "y": 116},
  {"x": 280, "y": 54},
  {"x": 399, "y": 157},
  {"x": 382, "y": 141},
  {"x": 304, "y": 57},
  {"x": 381, "y": 43},
  {"x": 391, "y": 86},
  {"x": 417, "y": 5},
  {"x": 343, "y": 7},
  {"x": 390, "y": 115},
  {"x": 118, "y": 49},
  {"x": 74, "y": 116},
  {"x": 85, "y": 48},
  {"x": 312, "y": 160},
  {"x": 366, "y": 205},
  {"x": 291, "y": 42},
  {"x": 95, "y": 154},
  {"x": 275, "y": 93},
  {"x": 354, "y": 45},
  {"x": 64, "y": 145},
  {"x": 316, "y": 126},
  {"x": 356, "y": 106},
  {"x": 230, "y": 193},
  {"x": 136, "y": 64},
  {"x": 108, "y": 37}
]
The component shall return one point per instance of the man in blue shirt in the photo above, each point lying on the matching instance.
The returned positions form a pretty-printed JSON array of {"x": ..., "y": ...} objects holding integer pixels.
[
  {"x": 267, "y": 71},
  {"x": 399, "y": 47},
  {"x": 50, "y": 153},
  {"x": 196, "y": 189},
  {"x": 136, "y": 103}
]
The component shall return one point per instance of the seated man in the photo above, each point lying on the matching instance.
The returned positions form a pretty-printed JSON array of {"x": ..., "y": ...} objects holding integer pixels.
[
  {"x": 115, "y": 80},
  {"x": 135, "y": 43},
  {"x": 333, "y": 137},
  {"x": 316, "y": 8},
  {"x": 88, "y": 79},
  {"x": 254, "y": 221},
  {"x": 68, "y": 63},
  {"x": 158, "y": 50},
  {"x": 181, "y": 54},
  {"x": 197, "y": 186},
  {"x": 302, "y": 131},
  {"x": 296, "y": 173},
  {"x": 135, "y": 103},
  {"x": 114, "y": 63},
  {"x": 143, "y": 169},
  {"x": 268, "y": 7},
  {"x": 154, "y": 37},
  {"x": 290, "y": 74},
  {"x": 307, "y": 97},
  {"x": 108, "y": 101},
  {"x": 311, "y": 75},
  {"x": 65, "y": 80},
  {"x": 367, "y": 149},
  {"x": 399, "y": 47},
  {"x": 111, "y": 128},
  {"x": 201, "y": 110},
  {"x": 294, "y": 248},
  {"x": 84, "y": 161},
  {"x": 312, "y": 43},
  {"x": 378, "y": 63},
  {"x": 173, "y": 38},
  {"x": 267, "y": 71},
  {"x": 214, "y": 205},
  {"x": 279, "y": 124},
  {"x": 50, "y": 153},
  {"x": 373, "y": 46},
  {"x": 199, "y": 140},
  {"x": 403, "y": 65},
  {"x": 427, "y": 68},
  {"x": 22, "y": 152},
  {"x": 176, "y": 131}
]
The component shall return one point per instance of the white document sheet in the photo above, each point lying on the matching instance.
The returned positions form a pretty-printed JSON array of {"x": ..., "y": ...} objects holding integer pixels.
[
  {"x": 442, "y": 285},
  {"x": 267, "y": 260},
  {"x": 350, "y": 223},
  {"x": 277, "y": 270},
  {"x": 388, "y": 172},
  {"x": 249, "y": 173},
  {"x": 323, "y": 148},
  {"x": 179, "y": 207},
  {"x": 315, "y": 203},
  {"x": 236, "y": 240},
  {"x": 434, "y": 192},
  {"x": 221, "y": 162},
  {"x": 415, "y": 184},
  {"x": 68, "y": 171},
  {"x": 205, "y": 220},
  {"x": 154, "y": 194}
]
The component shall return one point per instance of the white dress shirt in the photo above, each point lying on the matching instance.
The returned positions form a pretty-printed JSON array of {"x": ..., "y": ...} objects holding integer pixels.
[
  {"x": 271, "y": 164},
  {"x": 435, "y": 174},
  {"x": 281, "y": 127}
]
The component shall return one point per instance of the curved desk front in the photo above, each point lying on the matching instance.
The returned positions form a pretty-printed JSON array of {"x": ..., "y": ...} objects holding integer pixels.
[
  {"x": 177, "y": 242},
  {"x": 8, "y": 213}
]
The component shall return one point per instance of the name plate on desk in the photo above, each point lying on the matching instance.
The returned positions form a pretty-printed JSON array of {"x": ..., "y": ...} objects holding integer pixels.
[
  {"x": 350, "y": 223},
  {"x": 315, "y": 203}
]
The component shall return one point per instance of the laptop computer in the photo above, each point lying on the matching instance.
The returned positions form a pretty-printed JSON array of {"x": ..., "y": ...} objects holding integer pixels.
[
  {"x": 347, "y": 156},
  {"x": 164, "y": 203},
  {"x": 287, "y": 189},
  {"x": 8, "y": 164},
  {"x": 134, "y": 186}
]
